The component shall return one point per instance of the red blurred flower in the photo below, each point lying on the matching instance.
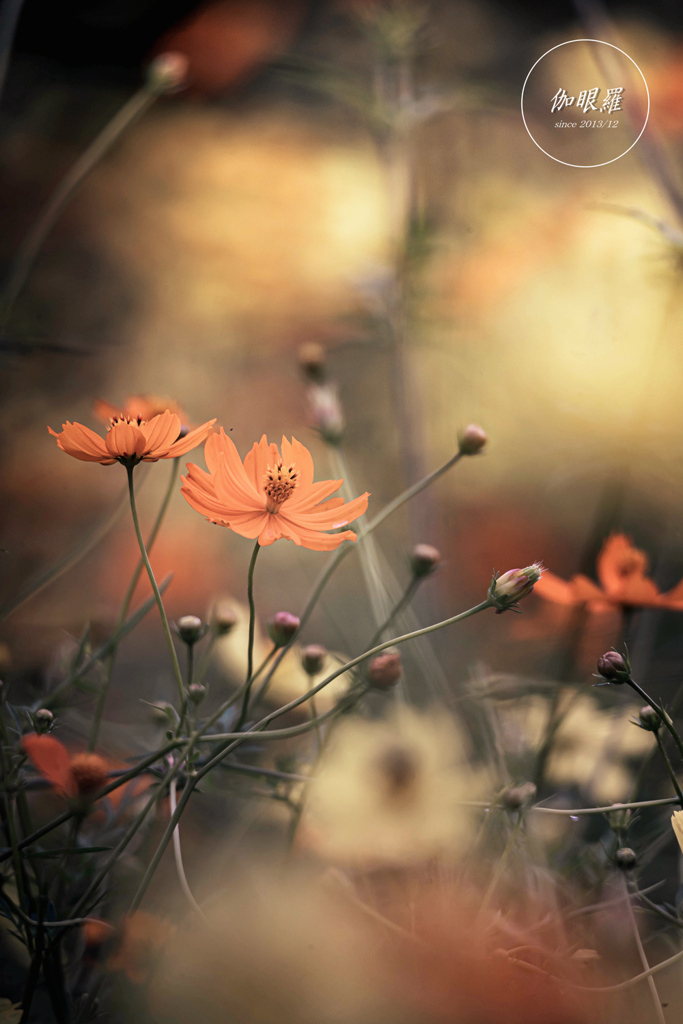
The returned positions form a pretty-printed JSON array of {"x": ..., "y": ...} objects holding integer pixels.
[
  {"x": 74, "y": 776},
  {"x": 621, "y": 569}
]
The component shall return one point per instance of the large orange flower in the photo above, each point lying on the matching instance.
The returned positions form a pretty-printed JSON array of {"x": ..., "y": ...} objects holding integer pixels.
[
  {"x": 131, "y": 439},
  {"x": 621, "y": 569},
  {"x": 271, "y": 495}
]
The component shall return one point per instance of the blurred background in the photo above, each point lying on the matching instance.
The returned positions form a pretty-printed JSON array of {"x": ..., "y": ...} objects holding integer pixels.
[{"x": 254, "y": 212}]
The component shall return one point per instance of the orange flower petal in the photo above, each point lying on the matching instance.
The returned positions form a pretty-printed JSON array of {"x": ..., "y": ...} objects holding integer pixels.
[
  {"x": 619, "y": 559},
  {"x": 297, "y": 453},
  {"x": 185, "y": 444},
  {"x": 81, "y": 443},
  {"x": 257, "y": 461},
  {"x": 161, "y": 431},
  {"x": 124, "y": 440},
  {"x": 52, "y": 760}
]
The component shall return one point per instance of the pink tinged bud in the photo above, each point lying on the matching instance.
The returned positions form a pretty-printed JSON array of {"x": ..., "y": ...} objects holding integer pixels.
[
  {"x": 612, "y": 666},
  {"x": 472, "y": 440},
  {"x": 327, "y": 415},
  {"x": 313, "y": 659},
  {"x": 385, "y": 670},
  {"x": 648, "y": 719},
  {"x": 312, "y": 361},
  {"x": 424, "y": 559},
  {"x": 167, "y": 72},
  {"x": 515, "y": 584},
  {"x": 196, "y": 692},
  {"x": 283, "y": 628}
]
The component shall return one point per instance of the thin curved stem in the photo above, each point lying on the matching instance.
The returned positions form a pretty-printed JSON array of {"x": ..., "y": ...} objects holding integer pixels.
[
  {"x": 660, "y": 712},
  {"x": 178, "y": 855},
  {"x": 669, "y": 767},
  {"x": 160, "y": 604},
  {"x": 400, "y": 605},
  {"x": 345, "y": 549},
  {"x": 252, "y": 629},
  {"x": 659, "y": 1013},
  {"x": 502, "y": 863},
  {"x": 125, "y": 605},
  {"x": 34, "y": 240}
]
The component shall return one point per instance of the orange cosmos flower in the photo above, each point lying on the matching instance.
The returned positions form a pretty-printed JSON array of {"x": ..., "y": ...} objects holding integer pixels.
[
  {"x": 145, "y": 406},
  {"x": 621, "y": 569},
  {"x": 271, "y": 495},
  {"x": 131, "y": 439}
]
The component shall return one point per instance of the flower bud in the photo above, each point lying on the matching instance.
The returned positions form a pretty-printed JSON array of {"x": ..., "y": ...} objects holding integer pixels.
[
  {"x": 613, "y": 667},
  {"x": 648, "y": 719},
  {"x": 190, "y": 628},
  {"x": 512, "y": 586},
  {"x": 43, "y": 720},
  {"x": 619, "y": 819},
  {"x": 385, "y": 670},
  {"x": 424, "y": 559},
  {"x": 515, "y": 797},
  {"x": 167, "y": 73},
  {"x": 90, "y": 773},
  {"x": 327, "y": 415},
  {"x": 625, "y": 858},
  {"x": 224, "y": 619},
  {"x": 283, "y": 628},
  {"x": 196, "y": 692},
  {"x": 472, "y": 440},
  {"x": 313, "y": 658},
  {"x": 312, "y": 361}
]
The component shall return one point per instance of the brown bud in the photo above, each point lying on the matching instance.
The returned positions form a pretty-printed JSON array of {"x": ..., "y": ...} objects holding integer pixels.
[
  {"x": 196, "y": 692},
  {"x": 43, "y": 720},
  {"x": 648, "y": 719},
  {"x": 515, "y": 797},
  {"x": 625, "y": 858},
  {"x": 312, "y": 361},
  {"x": 424, "y": 559},
  {"x": 190, "y": 628},
  {"x": 472, "y": 440},
  {"x": 224, "y": 619},
  {"x": 313, "y": 659},
  {"x": 167, "y": 72},
  {"x": 385, "y": 670}
]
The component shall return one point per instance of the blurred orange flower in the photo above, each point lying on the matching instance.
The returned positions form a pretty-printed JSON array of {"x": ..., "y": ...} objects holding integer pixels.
[
  {"x": 145, "y": 406},
  {"x": 73, "y": 775},
  {"x": 621, "y": 569},
  {"x": 143, "y": 937},
  {"x": 271, "y": 495},
  {"x": 131, "y": 439}
]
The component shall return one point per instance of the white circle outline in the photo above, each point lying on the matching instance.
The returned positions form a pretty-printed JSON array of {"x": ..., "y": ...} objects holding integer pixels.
[{"x": 556, "y": 158}]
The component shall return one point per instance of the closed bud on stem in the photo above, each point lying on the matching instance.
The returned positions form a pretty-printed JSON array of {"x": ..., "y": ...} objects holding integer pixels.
[
  {"x": 648, "y": 719},
  {"x": 190, "y": 628},
  {"x": 312, "y": 361},
  {"x": 385, "y": 670},
  {"x": 516, "y": 797},
  {"x": 625, "y": 858},
  {"x": 327, "y": 415},
  {"x": 506, "y": 590},
  {"x": 613, "y": 667},
  {"x": 472, "y": 440},
  {"x": 196, "y": 692},
  {"x": 43, "y": 720},
  {"x": 224, "y": 619},
  {"x": 619, "y": 819},
  {"x": 283, "y": 628},
  {"x": 424, "y": 559},
  {"x": 167, "y": 73},
  {"x": 313, "y": 659}
]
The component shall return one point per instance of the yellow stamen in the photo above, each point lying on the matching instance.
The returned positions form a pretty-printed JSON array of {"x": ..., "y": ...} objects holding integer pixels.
[{"x": 136, "y": 421}]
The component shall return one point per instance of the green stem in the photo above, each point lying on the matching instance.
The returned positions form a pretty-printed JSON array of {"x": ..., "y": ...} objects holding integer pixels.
[
  {"x": 659, "y": 1013},
  {"x": 345, "y": 549},
  {"x": 400, "y": 605},
  {"x": 501, "y": 865},
  {"x": 669, "y": 767},
  {"x": 160, "y": 604},
  {"x": 252, "y": 628},
  {"x": 123, "y": 611},
  {"x": 660, "y": 712},
  {"x": 10, "y": 826}
]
